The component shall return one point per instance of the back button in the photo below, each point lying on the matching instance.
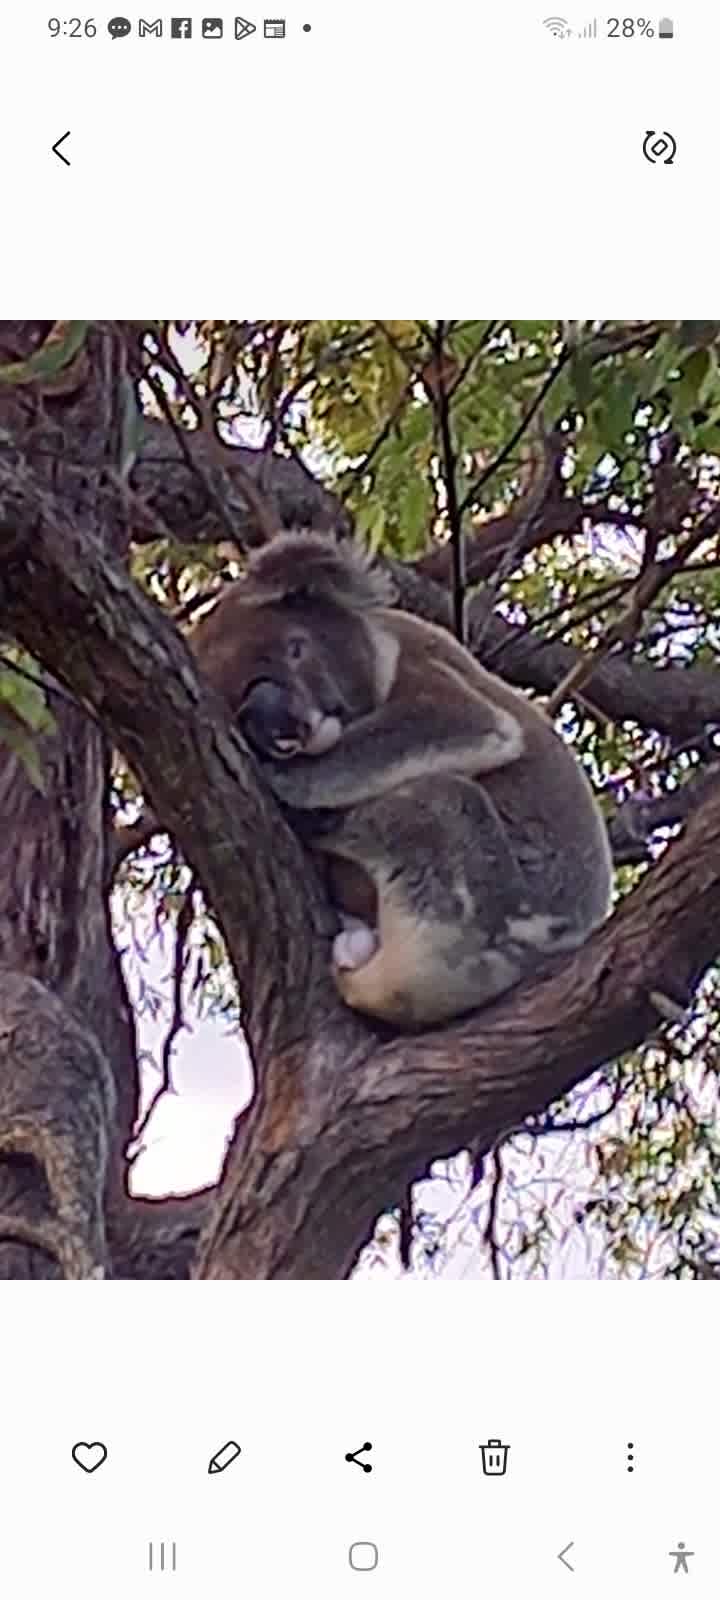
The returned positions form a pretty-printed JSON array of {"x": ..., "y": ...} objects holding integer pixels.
[{"x": 56, "y": 147}]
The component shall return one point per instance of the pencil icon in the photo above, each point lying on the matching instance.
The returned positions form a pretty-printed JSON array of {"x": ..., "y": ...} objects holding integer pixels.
[{"x": 224, "y": 1458}]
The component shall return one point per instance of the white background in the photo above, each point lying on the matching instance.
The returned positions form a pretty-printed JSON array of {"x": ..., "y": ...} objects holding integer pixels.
[
  {"x": 299, "y": 1375},
  {"x": 402, "y": 159}
]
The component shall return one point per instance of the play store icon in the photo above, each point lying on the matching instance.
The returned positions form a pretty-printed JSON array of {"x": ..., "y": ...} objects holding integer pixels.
[{"x": 243, "y": 27}]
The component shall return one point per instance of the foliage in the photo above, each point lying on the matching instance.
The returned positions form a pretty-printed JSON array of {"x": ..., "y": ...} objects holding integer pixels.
[
  {"x": 629, "y": 1165},
  {"x": 24, "y": 711}
]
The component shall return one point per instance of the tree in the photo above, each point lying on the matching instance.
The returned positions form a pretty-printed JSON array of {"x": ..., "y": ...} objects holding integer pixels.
[{"x": 553, "y": 492}]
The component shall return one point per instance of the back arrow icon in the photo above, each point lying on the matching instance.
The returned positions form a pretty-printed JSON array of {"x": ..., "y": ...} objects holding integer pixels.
[
  {"x": 562, "y": 1554},
  {"x": 56, "y": 147}
]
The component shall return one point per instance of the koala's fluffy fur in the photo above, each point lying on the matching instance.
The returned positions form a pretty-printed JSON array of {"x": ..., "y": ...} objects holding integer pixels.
[{"x": 453, "y": 796}]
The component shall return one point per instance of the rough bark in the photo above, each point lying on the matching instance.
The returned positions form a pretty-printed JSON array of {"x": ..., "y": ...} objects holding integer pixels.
[
  {"x": 343, "y": 1118},
  {"x": 398, "y": 1103}
]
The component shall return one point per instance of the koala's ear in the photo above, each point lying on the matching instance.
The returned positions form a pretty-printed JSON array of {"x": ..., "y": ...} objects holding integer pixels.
[{"x": 298, "y": 568}]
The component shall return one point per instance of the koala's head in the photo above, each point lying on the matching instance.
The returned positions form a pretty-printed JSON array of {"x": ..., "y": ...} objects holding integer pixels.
[{"x": 297, "y": 642}]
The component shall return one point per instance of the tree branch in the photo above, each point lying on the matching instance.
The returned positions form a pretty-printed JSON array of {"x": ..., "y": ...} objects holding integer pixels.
[
  {"x": 179, "y": 498},
  {"x": 343, "y": 1117},
  {"x": 303, "y": 1206},
  {"x": 678, "y": 701},
  {"x": 57, "y": 1102},
  {"x": 636, "y": 819},
  {"x": 82, "y": 616}
]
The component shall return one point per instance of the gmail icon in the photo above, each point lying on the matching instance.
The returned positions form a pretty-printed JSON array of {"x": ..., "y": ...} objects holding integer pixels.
[{"x": 150, "y": 27}]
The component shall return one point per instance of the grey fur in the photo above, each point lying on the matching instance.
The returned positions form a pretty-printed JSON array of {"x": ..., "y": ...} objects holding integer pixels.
[{"x": 469, "y": 821}]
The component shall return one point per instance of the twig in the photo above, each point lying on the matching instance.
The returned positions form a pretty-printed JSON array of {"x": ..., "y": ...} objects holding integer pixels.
[
  {"x": 185, "y": 920},
  {"x": 493, "y": 1207},
  {"x": 644, "y": 591},
  {"x": 536, "y": 499},
  {"x": 134, "y": 836},
  {"x": 439, "y": 398},
  {"x": 517, "y": 434},
  {"x": 329, "y": 356},
  {"x": 470, "y": 360},
  {"x": 359, "y": 471},
  {"x": 255, "y": 501}
]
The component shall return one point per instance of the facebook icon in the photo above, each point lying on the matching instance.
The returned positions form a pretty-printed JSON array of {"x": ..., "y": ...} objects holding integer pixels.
[{"x": 180, "y": 27}]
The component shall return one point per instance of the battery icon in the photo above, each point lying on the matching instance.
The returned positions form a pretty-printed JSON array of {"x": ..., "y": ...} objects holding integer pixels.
[{"x": 665, "y": 30}]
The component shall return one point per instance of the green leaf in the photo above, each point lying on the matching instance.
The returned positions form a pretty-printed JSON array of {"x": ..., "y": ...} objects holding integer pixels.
[
  {"x": 131, "y": 427},
  {"x": 13, "y": 735},
  {"x": 583, "y": 380},
  {"x": 688, "y": 392},
  {"x": 25, "y": 701},
  {"x": 62, "y": 343}
]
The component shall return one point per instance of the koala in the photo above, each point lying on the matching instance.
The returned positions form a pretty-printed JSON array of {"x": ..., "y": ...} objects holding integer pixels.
[{"x": 463, "y": 839}]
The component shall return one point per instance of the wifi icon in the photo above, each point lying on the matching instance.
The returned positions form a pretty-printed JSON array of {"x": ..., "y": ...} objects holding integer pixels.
[{"x": 557, "y": 26}]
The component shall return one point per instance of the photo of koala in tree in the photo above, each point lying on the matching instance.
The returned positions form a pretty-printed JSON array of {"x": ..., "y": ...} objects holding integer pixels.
[{"x": 360, "y": 696}]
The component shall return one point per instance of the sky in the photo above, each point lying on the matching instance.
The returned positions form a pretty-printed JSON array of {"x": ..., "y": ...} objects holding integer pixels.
[{"x": 183, "y": 1144}]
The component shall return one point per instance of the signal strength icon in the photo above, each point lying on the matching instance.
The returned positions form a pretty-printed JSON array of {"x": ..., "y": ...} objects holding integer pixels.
[
  {"x": 590, "y": 30},
  {"x": 557, "y": 26}
]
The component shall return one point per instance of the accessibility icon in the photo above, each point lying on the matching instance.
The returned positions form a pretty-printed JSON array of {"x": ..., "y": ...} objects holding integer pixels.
[
  {"x": 681, "y": 1556},
  {"x": 494, "y": 1458}
]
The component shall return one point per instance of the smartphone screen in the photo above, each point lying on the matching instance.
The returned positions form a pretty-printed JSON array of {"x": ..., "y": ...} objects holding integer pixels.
[{"x": 359, "y": 800}]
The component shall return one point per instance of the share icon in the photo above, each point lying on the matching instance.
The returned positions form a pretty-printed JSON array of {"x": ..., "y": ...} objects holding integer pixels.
[{"x": 352, "y": 1455}]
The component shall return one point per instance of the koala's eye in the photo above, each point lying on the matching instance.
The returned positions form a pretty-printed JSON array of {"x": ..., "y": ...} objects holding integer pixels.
[{"x": 296, "y": 646}]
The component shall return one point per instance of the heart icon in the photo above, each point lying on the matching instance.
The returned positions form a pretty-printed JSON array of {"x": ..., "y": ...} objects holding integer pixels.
[{"x": 89, "y": 1456}]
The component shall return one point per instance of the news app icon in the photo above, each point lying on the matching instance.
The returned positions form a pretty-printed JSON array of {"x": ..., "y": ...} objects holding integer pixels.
[
  {"x": 181, "y": 27},
  {"x": 274, "y": 27},
  {"x": 243, "y": 27}
]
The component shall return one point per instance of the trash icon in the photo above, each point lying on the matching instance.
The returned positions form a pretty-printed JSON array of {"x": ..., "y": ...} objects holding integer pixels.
[{"x": 494, "y": 1458}]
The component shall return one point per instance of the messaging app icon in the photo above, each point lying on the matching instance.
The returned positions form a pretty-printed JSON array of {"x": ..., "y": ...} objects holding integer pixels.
[{"x": 119, "y": 27}]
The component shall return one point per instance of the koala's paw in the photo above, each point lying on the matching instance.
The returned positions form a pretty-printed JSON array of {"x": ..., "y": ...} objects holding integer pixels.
[{"x": 354, "y": 946}]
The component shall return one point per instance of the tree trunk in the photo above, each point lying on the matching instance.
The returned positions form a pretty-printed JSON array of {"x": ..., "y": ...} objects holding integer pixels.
[{"x": 344, "y": 1116}]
